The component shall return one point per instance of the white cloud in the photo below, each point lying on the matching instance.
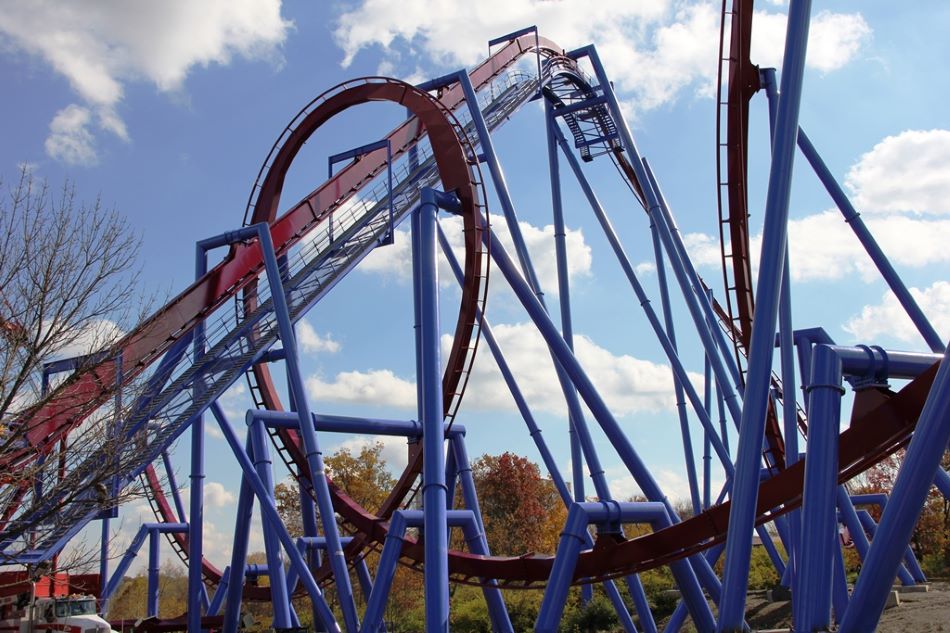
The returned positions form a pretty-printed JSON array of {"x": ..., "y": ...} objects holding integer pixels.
[
  {"x": 644, "y": 268},
  {"x": 673, "y": 484},
  {"x": 99, "y": 47},
  {"x": 824, "y": 248},
  {"x": 91, "y": 337},
  {"x": 396, "y": 260},
  {"x": 703, "y": 249},
  {"x": 654, "y": 50},
  {"x": 833, "y": 39},
  {"x": 69, "y": 137},
  {"x": 626, "y": 383},
  {"x": 380, "y": 387},
  {"x": 889, "y": 319},
  {"x": 394, "y": 451},
  {"x": 905, "y": 172},
  {"x": 215, "y": 495},
  {"x": 310, "y": 341},
  {"x": 234, "y": 403}
]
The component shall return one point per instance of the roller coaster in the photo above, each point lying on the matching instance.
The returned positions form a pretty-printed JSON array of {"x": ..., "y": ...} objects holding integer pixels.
[{"x": 236, "y": 322}]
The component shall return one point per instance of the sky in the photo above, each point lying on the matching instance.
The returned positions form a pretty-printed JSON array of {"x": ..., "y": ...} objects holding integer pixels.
[{"x": 166, "y": 111}]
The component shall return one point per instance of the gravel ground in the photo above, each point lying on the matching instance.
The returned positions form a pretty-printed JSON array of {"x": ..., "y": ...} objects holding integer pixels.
[{"x": 918, "y": 612}]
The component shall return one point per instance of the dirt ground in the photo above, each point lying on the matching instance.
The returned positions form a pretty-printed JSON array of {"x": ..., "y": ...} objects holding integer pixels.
[{"x": 917, "y": 613}]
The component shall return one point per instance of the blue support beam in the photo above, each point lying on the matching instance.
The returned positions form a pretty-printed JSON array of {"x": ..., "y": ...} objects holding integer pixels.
[
  {"x": 425, "y": 273},
  {"x": 903, "y": 509},
  {"x": 768, "y": 294}
]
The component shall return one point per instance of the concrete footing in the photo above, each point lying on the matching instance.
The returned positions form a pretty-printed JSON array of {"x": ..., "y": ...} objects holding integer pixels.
[{"x": 778, "y": 594}]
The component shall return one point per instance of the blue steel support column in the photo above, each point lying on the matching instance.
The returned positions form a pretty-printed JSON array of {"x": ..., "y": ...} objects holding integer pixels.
[
  {"x": 218, "y": 599},
  {"x": 839, "y": 587},
  {"x": 819, "y": 519},
  {"x": 574, "y": 536},
  {"x": 768, "y": 289},
  {"x": 474, "y": 535},
  {"x": 567, "y": 324},
  {"x": 269, "y": 512},
  {"x": 196, "y": 506},
  {"x": 691, "y": 285},
  {"x": 242, "y": 533},
  {"x": 521, "y": 249},
  {"x": 547, "y": 458},
  {"x": 648, "y": 310},
  {"x": 430, "y": 414},
  {"x": 906, "y": 501},
  {"x": 942, "y": 481},
  {"x": 151, "y": 606},
  {"x": 707, "y": 575},
  {"x": 278, "y": 585},
  {"x": 853, "y": 218},
  {"x": 789, "y": 414},
  {"x": 451, "y": 475},
  {"x": 906, "y": 577},
  {"x": 707, "y": 458},
  {"x": 677, "y": 386},
  {"x": 307, "y": 432},
  {"x": 388, "y": 560},
  {"x": 176, "y": 496},
  {"x": 114, "y": 491},
  {"x": 460, "y": 454},
  {"x": 682, "y": 570},
  {"x": 787, "y": 362}
]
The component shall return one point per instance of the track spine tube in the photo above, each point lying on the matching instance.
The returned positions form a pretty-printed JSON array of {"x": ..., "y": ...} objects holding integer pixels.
[
  {"x": 761, "y": 347},
  {"x": 436, "y": 571},
  {"x": 903, "y": 509}
]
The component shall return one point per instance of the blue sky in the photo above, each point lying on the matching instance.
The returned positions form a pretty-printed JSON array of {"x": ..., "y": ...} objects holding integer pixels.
[{"x": 168, "y": 112}]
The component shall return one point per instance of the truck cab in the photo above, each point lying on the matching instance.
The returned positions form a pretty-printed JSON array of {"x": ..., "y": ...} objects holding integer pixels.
[{"x": 76, "y": 614}]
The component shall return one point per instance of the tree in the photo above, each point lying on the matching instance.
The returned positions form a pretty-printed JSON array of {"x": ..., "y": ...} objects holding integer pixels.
[
  {"x": 68, "y": 280},
  {"x": 365, "y": 478},
  {"x": 522, "y": 511},
  {"x": 931, "y": 537}
]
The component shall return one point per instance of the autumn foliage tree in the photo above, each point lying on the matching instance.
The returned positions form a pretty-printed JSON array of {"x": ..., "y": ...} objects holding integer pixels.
[
  {"x": 522, "y": 510},
  {"x": 931, "y": 538}
]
